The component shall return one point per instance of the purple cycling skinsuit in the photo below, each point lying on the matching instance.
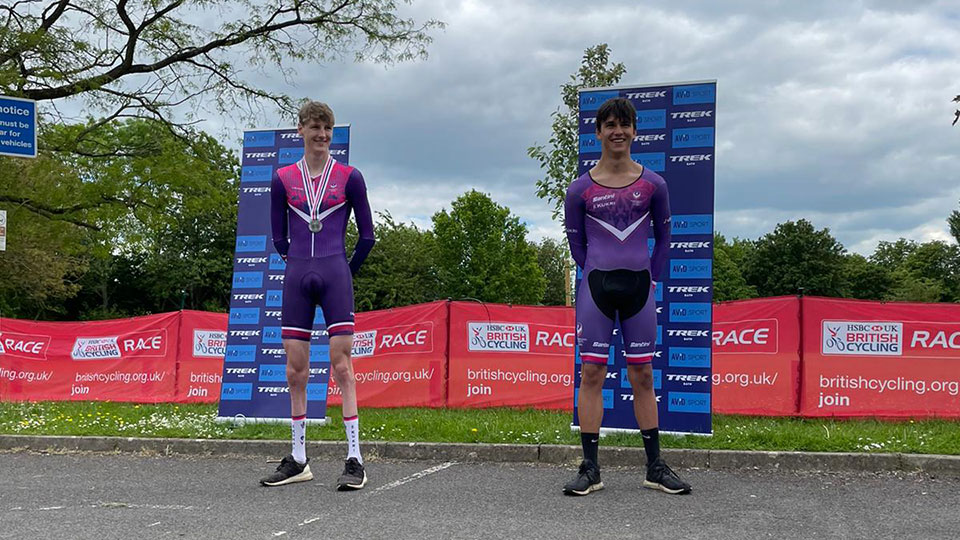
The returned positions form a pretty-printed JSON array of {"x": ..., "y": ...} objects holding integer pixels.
[
  {"x": 317, "y": 270},
  {"x": 607, "y": 229}
]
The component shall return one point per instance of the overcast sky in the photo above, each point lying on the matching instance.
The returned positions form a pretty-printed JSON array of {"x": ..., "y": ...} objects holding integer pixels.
[{"x": 834, "y": 111}]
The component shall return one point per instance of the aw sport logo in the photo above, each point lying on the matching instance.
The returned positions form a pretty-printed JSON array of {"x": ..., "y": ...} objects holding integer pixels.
[{"x": 862, "y": 338}]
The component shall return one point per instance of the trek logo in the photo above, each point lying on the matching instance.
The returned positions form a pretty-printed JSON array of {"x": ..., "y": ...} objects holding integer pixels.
[
  {"x": 612, "y": 375},
  {"x": 245, "y": 333},
  {"x": 692, "y": 158},
  {"x": 650, "y": 138},
  {"x": 212, "y": 343},
  {"x": 274, "y": 352},
  {"x": 674, "y": 377},
  {"x": 687, "y": 333},
  {"x": 338, "y": 152},
  {"x": 256, "y": 190},
  {"x": 260, "y": 155},
  {"x": 248, "y": 297},
  {"x": 275, "y": 277},
  {"x": 273, "y": 390},
  {"x": 590, "y": 162},
  {"x": 647, "y": 95},
  {"x": 251, "y": 260},
  {"x": 289, "y": 136},
  {"x": 689, "y": 245},
  {"x": 592, "y": 121},
  {"x": 691, "y": 114},
  {"x": 29, "y": 346},
  {"x": 272, "y": 313},
  {"x": 240, "y": 371},
  {"x": 97, "y": 348}
]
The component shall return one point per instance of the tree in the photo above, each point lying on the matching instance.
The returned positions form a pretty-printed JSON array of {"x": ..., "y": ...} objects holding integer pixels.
[
  {"x": 954, "y": 222},
  {"x": 482, "y": 253},
  {"x": 927, "y": 272},
  {"x": 560, "y": 159},
  {"x": 728, "y": 260},
  {"x": 138, "y": 234},
  {"x": 152, "y": 59},
  {"x": 552, "y": 259},
  {"x": 400, "y": 270},
  {"x": 795, "y": 256},
  {"x": 866, "y": 279}
]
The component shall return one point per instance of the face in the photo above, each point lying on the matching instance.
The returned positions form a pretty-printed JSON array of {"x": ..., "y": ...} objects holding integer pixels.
[
  {"x": 316, "y": 135},
  {"x": 615, "y": 135}
]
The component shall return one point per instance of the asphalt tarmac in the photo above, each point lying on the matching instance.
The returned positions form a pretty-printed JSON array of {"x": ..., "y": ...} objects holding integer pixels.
[{"x": 123, "y": 496}]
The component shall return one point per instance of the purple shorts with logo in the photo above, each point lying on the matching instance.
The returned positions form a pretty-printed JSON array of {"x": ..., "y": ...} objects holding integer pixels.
[
  {"x": 309, "y": 282},
  {"x": 624, "y": 294}
]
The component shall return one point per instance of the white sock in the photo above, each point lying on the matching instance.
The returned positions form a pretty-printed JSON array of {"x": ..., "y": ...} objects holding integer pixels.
[
  {"x": 352, "y": 427},
  {"x": 298, "y": 430}
]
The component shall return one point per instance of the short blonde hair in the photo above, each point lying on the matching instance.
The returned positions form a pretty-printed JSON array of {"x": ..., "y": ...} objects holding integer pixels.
[{"x": 315, "y": 110}]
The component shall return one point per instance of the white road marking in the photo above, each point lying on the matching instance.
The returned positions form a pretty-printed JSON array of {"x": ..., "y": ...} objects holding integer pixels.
[
  {"x": 415, "y": 476},
  {"x": 52, "y": 508},
  {"x": 153, "y": 524},
  {"x": 280, "y": 533}
]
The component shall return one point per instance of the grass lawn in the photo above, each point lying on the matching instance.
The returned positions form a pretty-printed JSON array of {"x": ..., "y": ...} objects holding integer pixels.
[{"x": 480, "y": 425}]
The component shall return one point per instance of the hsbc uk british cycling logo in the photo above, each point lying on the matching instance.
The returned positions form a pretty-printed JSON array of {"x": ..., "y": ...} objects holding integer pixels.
[
  {"x": 498, "y": 337},
  {"x": 862, "y": 338}
]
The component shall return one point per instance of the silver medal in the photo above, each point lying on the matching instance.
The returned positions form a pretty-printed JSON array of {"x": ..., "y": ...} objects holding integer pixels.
[{"x": 315, "y": 225}]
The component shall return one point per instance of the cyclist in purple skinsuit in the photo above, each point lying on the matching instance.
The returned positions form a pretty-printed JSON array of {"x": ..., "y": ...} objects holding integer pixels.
[
  {"x": 310, "y": 204},
  {"x": 608, "y": 214}
]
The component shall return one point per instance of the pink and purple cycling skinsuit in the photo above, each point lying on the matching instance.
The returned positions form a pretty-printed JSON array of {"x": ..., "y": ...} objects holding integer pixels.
[
  {"x": 607, "y": 229},
  {"x": 317, "y": 270}
]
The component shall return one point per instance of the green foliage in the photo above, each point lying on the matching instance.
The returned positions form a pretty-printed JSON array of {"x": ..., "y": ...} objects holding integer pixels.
[
  {"x": 482, "y": 253},
  {"x": 151, "y": 59},
  {"x": 954, "y": 222},
  {"x": 400, "y": 270},
  {"x": 559, "y": 160},
  {"x": 927, "y": 272},
  {"x": 866, "y": 279},
  {"x": 552, "y": 258},
  {"x": 728, "y": 261},
  {"x": 795, "y": 256},
  {"x": 495, "y": 425}
]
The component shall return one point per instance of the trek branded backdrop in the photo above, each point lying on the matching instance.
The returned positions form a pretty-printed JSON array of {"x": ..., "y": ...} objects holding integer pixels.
[
  {"x": 254, "y": 369},
  {"x": 675, "y": 138}
]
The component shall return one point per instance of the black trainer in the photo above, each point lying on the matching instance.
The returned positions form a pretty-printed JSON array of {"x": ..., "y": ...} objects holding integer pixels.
[
  {"x": 353, "y": 477},
  {"x": 662, "y": 477},
  {"x": 587, "y": 480},
  {"x": 288, "y": 472}
]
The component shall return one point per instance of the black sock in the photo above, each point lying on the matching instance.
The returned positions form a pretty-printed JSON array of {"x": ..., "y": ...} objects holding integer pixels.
[
  {"x": 591, "y": 446},
  {"x": 651, "y": 443}
]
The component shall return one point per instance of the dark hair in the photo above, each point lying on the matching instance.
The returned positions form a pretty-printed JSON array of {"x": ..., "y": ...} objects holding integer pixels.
[{"x": 619, "y": 108}]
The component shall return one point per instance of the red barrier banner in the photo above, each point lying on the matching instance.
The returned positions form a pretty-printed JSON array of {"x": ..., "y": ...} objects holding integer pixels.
[
  {"x": 119, "y": 360},
  {"x": 203, "y": 345},
  {"x": 892, "y": 359},
  {"x": 399, "y": 357},
  {"x": 513, "y": 356},
  {"x": 756, "y": 356}
]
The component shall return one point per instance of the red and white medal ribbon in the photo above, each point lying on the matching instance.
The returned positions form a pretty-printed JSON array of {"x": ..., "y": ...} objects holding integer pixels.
[{"x": 314, "y": 196}]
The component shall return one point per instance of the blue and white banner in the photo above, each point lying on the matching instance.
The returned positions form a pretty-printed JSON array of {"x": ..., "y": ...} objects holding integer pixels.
[
  {"x": 254, "y": 369},
  {"x": 18, "y": 127},
  {"x": 675, "y": 138}
]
